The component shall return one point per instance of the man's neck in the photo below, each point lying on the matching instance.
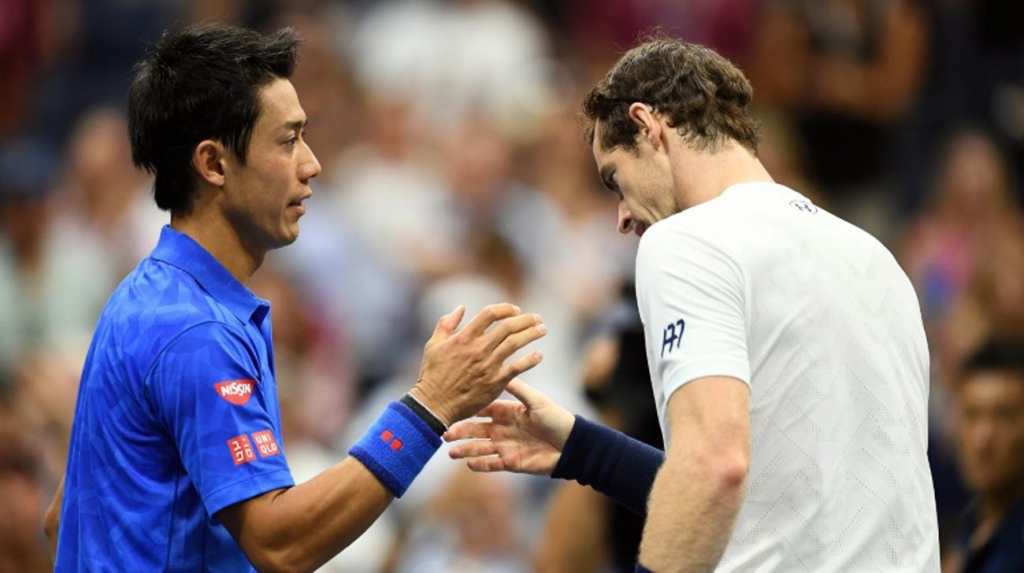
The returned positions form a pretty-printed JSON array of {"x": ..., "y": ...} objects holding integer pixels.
[
  {"x": 705, "y": 176},
  {"x": 215, "y": 234}
]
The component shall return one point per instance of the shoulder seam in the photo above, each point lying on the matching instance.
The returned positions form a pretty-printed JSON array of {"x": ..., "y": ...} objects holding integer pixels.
[{"x": 163, "y": 349}]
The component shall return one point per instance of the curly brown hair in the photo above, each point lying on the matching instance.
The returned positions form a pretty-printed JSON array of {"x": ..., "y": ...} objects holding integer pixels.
[{"x": 701, "y": 94}]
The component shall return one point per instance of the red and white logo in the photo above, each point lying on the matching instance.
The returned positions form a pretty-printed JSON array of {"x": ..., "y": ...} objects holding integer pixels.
[
  {"x": 237, "y": 392},
  {"x": 241, "y": 450},
  {"x": 266, "y": 444}
]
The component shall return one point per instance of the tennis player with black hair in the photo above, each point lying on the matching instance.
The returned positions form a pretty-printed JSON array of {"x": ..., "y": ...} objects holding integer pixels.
[
  {"x": 176, "y": 461},
  {"x": 786, "y": 349}
]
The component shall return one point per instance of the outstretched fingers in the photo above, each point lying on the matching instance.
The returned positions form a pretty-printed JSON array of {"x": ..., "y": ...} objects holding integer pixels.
[
  {"x": 447, "y": 324},
  {"x": 488, "y": 464},
  {"x": 468, "y": 430},
  {"x": 473, "y": 449},
  {"x": 528, "y": 395},
  {"x": 510, "y": 371},
  {"x": 519, "y": 336},
  {"x": 489, "y": 315}
]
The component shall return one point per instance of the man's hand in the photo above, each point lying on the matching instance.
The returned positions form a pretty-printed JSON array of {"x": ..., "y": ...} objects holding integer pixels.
[
  {"x": 464, "y": 371},
  {"x": 523, "y": 437}
]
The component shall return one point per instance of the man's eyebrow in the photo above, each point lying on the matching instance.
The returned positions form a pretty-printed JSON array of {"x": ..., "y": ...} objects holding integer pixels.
[{"x": 296, "y": 125}]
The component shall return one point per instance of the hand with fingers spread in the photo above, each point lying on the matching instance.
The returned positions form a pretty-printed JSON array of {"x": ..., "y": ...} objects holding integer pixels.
[
  {"x": 523, "y": 437},
  {"x": 464, "y": 371}
]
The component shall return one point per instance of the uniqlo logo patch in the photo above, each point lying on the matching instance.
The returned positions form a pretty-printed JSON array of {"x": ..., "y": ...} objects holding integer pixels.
[
  {"x": 266, "y": 444},
  {"x": 241, "y": 450},
  {"x": 237, "y": 392}
]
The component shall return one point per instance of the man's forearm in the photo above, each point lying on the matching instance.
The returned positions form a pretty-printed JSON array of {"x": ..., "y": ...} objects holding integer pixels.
[
  {"x": 306, "y": 525},
  {"x": 691, "y": 513}
]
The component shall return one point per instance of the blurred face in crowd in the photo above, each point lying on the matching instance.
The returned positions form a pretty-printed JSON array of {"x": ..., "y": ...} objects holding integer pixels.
[
  {"x": 641, "y": 178},
  {"x": 990, "y": 431},
  {"x": 973, "y": 177},
  {"x": 263, "y": 198}
]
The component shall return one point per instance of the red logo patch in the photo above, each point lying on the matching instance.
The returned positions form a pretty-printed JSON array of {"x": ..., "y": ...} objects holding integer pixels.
[
  {"x": 237, "y": 392},
  {"x": 241, "y": 450},
  {"x": 389, "y": 437},
  {"x": 266, "y": 444}
]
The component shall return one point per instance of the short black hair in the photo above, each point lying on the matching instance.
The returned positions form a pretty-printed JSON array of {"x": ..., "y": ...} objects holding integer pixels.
[
  {"x": 1002, "y": 355},
  {"x": 200, "y": 82}
]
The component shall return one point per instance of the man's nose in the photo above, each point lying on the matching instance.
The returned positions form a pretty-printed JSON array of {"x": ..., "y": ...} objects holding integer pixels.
[
  {"x": 310, "y": 167},
  {"x": 625, "y": 218}
]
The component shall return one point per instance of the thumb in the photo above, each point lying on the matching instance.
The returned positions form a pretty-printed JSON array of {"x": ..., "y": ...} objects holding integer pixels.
[
  {"x": 528, "y": 395},
  {"x": 448, "y": 323}
]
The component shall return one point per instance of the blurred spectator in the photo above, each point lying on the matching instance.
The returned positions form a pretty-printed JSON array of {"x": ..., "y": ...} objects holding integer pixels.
[
  {"x": 992, "y": 305},
  {"x": 488, "y": 56},
  {"x": 957, "y": 253},
  {"x": 848, "y": 70},
  {"x": 990, "y": 440},
  {"x": 22, "y": 547},
  {"x": 970, "y": 210},
  {"x": 470, "y": 526},
  {"x": 725, "y": 25},
  {"x": 103, "y": 208},
  {"x": 18, "y": 36},
  {"x": 563, "y": 225}
]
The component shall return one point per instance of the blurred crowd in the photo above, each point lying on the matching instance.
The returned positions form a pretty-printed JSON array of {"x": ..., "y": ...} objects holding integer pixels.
[{"x": 454, "y": 172}]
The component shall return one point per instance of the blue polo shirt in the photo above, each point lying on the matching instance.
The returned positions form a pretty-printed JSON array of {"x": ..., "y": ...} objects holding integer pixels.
[{"x": 177, "y": 418}]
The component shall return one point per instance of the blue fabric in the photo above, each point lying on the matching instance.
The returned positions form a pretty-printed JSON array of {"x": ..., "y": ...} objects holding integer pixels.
[
  {"x": 177, "y": 417},
  {"x": 396, "y": 447},
  {"x": 611, "y": 462},
  {"x": 1004, "y": 550},
  {"x": 641, "y": 569}
]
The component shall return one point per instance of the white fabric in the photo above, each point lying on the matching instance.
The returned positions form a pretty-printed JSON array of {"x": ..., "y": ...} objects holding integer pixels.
[{"x": 818, "y": 319}]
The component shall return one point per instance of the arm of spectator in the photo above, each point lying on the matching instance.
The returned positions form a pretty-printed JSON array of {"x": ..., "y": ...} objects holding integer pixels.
[
  {"x": 51, "y": 520},
  {"x": 575, "y": 536},
  {"x": 880, "y": 89},
  {"x": 700, "y": 487}
]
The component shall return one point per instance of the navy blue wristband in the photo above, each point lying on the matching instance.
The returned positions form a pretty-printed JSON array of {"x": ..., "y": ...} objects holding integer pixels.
[
  {"x": 641, "y": 569},
  {"x": 611, "y": 462},
  {"x": 396, "y": 447}
]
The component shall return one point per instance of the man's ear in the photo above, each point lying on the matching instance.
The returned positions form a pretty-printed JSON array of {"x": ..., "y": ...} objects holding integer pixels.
[
  {"x": 647, "y": 121},
  {"x": 208, "y": 160}
]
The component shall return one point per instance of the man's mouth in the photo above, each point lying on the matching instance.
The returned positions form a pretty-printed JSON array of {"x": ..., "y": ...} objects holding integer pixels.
[{"x": 298, "y": 202}]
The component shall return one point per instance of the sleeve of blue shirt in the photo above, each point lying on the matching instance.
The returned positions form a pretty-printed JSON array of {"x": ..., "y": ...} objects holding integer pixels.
[{"x": 206, "y": 389}]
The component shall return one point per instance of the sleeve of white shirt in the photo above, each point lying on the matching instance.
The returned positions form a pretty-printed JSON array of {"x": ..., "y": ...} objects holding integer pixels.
[{"x": 692, "y": 302}]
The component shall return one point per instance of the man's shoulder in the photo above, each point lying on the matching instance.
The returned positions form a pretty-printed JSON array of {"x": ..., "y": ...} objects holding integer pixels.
[{"x": 155, "y": 304}]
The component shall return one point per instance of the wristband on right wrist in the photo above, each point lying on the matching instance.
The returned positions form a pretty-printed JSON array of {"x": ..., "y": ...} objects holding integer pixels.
[{"x": 396, "y": 447}]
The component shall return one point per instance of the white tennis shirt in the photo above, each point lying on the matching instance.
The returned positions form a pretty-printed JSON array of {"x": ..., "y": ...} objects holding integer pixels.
[{"x": 816, "y": 316}]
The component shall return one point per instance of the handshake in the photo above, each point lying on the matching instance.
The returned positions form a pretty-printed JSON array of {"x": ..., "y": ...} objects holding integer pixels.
[{"x": 462, "y": 374}]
